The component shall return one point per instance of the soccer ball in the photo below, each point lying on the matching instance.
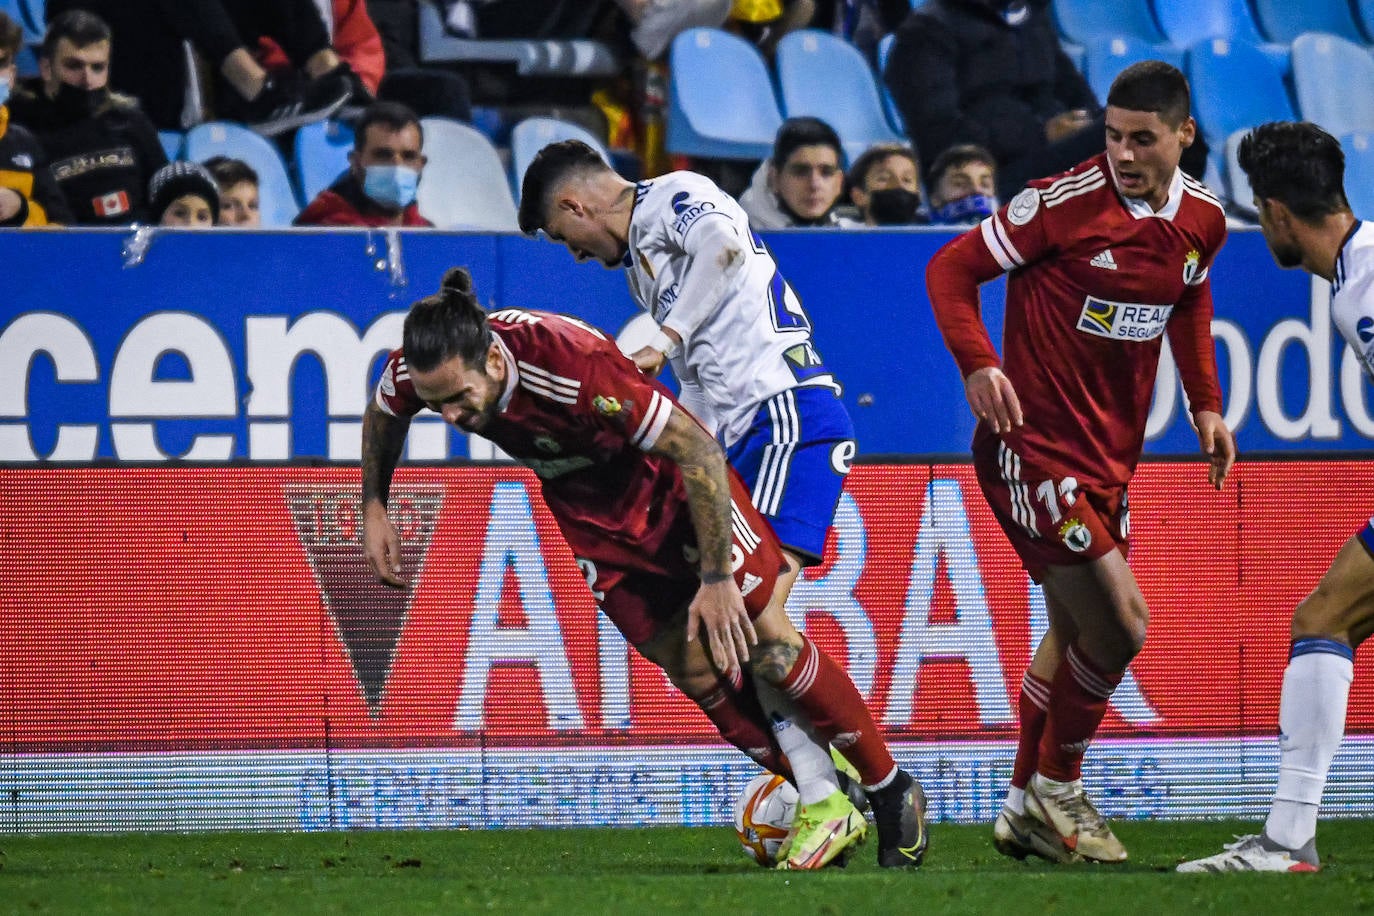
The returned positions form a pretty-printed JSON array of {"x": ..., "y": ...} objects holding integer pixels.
[{"x": 763, "y": 815}]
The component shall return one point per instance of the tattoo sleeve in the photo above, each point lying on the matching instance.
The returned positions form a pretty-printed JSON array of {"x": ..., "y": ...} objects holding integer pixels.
[
  {"x": 383, "y": 438},
  {"x": 708, "y": 487}
]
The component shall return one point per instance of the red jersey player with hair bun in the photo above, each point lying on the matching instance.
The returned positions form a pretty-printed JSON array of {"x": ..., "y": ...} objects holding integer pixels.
[{"x": 1102, "y": 262}]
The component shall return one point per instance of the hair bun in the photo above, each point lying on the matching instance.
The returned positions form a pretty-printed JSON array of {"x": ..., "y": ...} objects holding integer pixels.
[{"x": 457, "y": 279}]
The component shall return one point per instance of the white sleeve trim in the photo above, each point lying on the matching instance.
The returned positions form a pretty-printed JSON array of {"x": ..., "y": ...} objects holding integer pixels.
[
  {"x": 655, "y": 419},
  {"x": 999, "y": 244}
]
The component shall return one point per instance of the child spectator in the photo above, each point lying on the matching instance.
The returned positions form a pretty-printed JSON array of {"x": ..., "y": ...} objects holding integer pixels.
[
  {"x": 238, "y": 192},
  {"x": 183, "y": 194}
]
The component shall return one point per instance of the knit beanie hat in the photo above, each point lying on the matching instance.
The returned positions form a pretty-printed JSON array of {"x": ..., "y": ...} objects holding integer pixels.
[{"x": 177, "y": 179}]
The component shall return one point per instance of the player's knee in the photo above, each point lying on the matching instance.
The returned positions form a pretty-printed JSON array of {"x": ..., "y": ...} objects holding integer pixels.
[{"x": 772, "y": 659}]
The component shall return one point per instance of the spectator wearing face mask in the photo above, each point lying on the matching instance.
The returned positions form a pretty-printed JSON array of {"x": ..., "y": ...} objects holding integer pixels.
[
  {"x": 963, "y": 186},
  {"x": 800, "y": 184},
  {"x": 383, "y": 174},
  {"x": 101, "y": 149},
  {"x": 884, "y": 185},
  {"x": 28, "y": 196}
]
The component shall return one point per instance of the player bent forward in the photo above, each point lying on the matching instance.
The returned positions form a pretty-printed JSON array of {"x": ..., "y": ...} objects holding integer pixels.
[
  {"x": 676, "y": 554},
  {"x": 1296, "y": 172}
]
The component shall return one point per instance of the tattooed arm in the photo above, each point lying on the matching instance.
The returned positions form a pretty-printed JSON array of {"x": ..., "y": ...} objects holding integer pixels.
[
  {"x": 383, "y": 438},
  {"x": 718, "y": 606}
]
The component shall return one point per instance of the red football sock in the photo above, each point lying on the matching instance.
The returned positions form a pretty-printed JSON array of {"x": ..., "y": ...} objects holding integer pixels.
[
  {"x": 827, "y": 696},
  {"x": 1032, "y": 708},
  {"x": 735, "y": 710},
  {"x": 1078, "y": 701}
]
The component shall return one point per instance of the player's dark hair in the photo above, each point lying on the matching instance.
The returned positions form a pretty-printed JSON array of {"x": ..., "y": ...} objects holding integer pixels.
[
  {"x": 1297, "y": 163},
  {"x": 393, "y": 115},
  {"x": 550, "y": 167},
  {"x": 1152, "y": 85},
  {"x": 873, "y": 156},
  {"x": 80, "y": 27},
  {"x": 805, "y": 131},
  {"x": 447, "y": 324},
  {"x": 958, "y": 156}
]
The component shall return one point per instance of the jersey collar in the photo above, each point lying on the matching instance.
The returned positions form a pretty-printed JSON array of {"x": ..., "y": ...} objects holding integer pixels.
[
  {"x": 512, "y": 373},
  {"x": 1140, "y": 209},
  {"x": 1338, "y": 276}
]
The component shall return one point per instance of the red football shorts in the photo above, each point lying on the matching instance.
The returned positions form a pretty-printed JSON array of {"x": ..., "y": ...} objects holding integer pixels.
[
  {"x": 1051, "y": 519},
  {"x": 642, "y": 604}
]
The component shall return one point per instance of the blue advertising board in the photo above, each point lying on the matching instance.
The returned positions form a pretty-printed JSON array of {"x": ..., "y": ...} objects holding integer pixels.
[{"x": 263, "y": 346}]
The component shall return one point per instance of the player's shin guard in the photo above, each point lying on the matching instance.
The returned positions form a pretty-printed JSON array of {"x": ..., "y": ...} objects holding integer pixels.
[
  {"x": 827, "y": 696},
  {"x": 1316, "y": 690},
  {"x": 735, "y": 711},
  {"x": 1078, "y": 701}
]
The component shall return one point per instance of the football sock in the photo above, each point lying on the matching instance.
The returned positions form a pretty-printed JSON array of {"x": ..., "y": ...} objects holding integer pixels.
[
  {"x": 1078, "y": 701},
  {"x": 740, "y": 719},
  {"x": 812, "y": 769},
  {"x": 826, "y": 695},
  {"x": 1032, "y": 709},
  {"x": 1016, "y": 800},
  {"x": 1316, "y": 687}
]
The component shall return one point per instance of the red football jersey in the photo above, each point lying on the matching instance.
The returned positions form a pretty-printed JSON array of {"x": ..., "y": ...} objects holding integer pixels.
[
  {"x": 579, "y": 414},
  {"x": 1095, "y": 281}
]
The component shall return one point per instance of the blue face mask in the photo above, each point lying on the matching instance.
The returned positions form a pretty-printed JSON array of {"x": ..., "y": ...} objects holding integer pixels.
[
  {"x": 391, "y": 185},
  {"x": 4, "y": 91},
  {"x": 965, "y": 210}
]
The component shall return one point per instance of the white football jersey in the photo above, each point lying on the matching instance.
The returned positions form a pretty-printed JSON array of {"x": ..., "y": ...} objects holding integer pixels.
[
  {"x": 746, "y": 338},
  {"x": 1352, "y": 294}
]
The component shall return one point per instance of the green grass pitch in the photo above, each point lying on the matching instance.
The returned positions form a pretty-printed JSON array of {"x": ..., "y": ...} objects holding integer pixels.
[{"x": 649, "y": 871}]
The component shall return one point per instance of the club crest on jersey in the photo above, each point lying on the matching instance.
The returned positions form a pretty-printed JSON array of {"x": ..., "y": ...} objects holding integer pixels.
[
  {"x": 1075, "y": 535},
  {"x": 1023, "y": 207},
  {"x": 1123, "y": 320},
  {"x": 1192, "y": 274},
  {"x": 607, "y": 407}
]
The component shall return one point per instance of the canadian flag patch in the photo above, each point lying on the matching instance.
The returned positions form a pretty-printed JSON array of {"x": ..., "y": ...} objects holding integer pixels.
[{"x": 112, "y": 204}]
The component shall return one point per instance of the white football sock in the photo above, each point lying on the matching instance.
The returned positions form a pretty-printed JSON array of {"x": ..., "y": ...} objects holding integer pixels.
[
  {"x": 1016, "y": 800},
  {"x": 812, "y": 767},
  {"x": 1316, "y": 687}
]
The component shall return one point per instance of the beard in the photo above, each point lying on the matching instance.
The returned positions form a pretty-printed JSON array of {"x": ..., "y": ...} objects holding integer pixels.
[{"x": 1286, "y": 256}]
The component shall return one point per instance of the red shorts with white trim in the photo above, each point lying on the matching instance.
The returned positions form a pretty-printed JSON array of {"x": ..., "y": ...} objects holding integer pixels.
[
  {"x": 643, "y": 604},
  {"x": 1050, "y": 518}
]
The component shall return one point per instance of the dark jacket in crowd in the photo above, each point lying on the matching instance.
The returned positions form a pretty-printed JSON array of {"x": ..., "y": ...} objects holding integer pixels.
[
  {"x": 101, "y": 161},
  {"x": 960, "y": 72},
  {"x": 22, "y": 169},
  {"x": 344, "y": 204}
]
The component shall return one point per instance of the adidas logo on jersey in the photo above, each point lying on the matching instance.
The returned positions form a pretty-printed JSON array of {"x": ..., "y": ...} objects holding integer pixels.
[{"x": 1104, "y": 260}]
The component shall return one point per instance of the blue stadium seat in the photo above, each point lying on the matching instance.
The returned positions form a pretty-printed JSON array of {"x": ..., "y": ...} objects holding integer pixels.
[
  {"x": 826, "y": 77},
  {"x": 171, "y": 142},
  {"x": 221, "y": 138},
  {"x": 1076, "y": 53},
  {"x": 1242, "y": 198},
  {"x": 720, "y": 102},
  {"x": 1334, "y": 83},
  {"x": 464, "y": 184},
  {"x": 1107, "y": 57},
  {"x": 1186, "y": 22},
  {"x": 1285, "y": 20},
  {"x": 1359, "y": 172},
  {"x": 1235, "y": 85},
  {"x": 31, "y": 19},
  {"x": 320, "y": 156},
  {"x": 1082, "y": 21},
  {"x": 1365, "y": 9},
  {"x": 894, "y": 115},
  {"x": 533, "y": 134}
]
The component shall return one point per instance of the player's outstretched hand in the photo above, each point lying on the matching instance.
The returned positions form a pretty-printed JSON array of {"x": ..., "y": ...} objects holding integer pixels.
[
  {"x": 382, "y": 545},
  {"x": 649, "y": 360},
  {"x": 718, "y": 608},
  {"x": 1218, "y": 444},
  {"x": 993, "y": 399}
]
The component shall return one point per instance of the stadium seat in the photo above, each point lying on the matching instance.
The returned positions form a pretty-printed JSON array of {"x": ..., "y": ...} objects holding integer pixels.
[
  {"x": 826, "y": 77},
  {"x": 581, "y": 57},
  {"x": 1333, "y": 80},
  {"x": 1242, "y": 198},
  {"x": 1235, "y": 85},
  {"x": 1365, "y": 9},
  {"x": 1359, "y": 172},
  {"x": 30, "y": 18},
  {"x": 1082, "y": 21},
  {"x": 1076, "y": 53},
  {"x": 1285, "y": 20},
  {"x": 221, "y": 138},
  {"x": 320, "y": 156},
  {"x": 1186, "y": 22},
  {"x": 720, "y": 101},
  {"x": 464, "y": 184},
  {"x": 1106, "y": 57},
  {"x": 894, "y": 115},
  {"x": 171, "y": 142},
  {"x": 533, "y": 134}
]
